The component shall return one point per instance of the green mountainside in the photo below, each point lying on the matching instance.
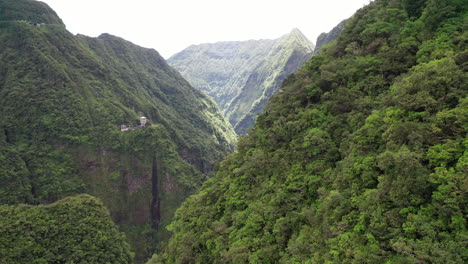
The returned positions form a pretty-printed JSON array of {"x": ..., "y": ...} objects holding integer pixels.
[
  {"x": 63, "y": 99},
  {"x": 73, "y": 230},
  {"x": 361, "y": 158},
  {"x": 241, "y": 76},
  {"x": 29, "y": 11}
]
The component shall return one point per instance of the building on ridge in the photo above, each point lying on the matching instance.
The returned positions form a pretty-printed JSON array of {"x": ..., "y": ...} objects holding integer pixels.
[{"x": 142, "y": 121}]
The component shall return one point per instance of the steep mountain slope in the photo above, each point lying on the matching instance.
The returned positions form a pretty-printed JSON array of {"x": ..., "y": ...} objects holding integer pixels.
[
  {"x": 326, "y": 38},
  {"x": 241, "y": 76},
  {"x": 73, "y": 230},
  {"x": 362, "y": 158},
  {"x": 63, "y": 99}
]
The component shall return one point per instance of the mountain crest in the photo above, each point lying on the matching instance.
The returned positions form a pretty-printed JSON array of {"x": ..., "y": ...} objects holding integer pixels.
[
  {"x": 28, "y": 10},
  {"x": 326, "y": 38},
  {"x": 299, "y": 39},
  {"x": 241, "y": 76}
]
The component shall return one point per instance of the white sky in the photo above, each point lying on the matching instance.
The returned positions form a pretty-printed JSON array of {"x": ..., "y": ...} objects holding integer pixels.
[{"x": 169, "y": 26}]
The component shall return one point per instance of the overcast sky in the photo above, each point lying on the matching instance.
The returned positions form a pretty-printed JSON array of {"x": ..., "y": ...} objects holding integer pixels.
[{"x": 169, "y": 26}]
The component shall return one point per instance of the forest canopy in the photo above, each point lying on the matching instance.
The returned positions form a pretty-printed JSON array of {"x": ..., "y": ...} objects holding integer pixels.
[
  {"x": 76, "y": 229},
  {"x": 362, "y": 158}
]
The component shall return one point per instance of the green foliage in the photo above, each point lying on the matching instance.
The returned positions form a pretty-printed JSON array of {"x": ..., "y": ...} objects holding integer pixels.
[
  {"x": 74, "y": 230},
  {"x": 414, "y": 7},
  {"x": 28, "y": 11},
  {"x": 361, "y": 159},
  {"x": 15, "y": 184},
  {"x": 62, "y": 101}
]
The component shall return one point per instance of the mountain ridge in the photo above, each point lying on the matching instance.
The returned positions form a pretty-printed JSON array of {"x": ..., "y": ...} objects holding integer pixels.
[
  {"x": 228, "y": 71},
  {"x": 29, "y": 11},
  {"x": 63, "y": 99},
  {"x": 330, "y": 36}
]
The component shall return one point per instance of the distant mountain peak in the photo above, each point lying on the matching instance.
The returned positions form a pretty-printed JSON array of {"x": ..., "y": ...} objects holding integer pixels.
[
  {"x": 297, "y": 32},
  {"x": 242, "y": 75},
  {"x": 295, "y": 35}
]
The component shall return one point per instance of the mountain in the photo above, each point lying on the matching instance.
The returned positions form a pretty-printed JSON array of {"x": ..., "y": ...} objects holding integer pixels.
[
  {"x": 63, "y": 99},
  {"x": 326, "y": 38},
  {"x": 28, "y": 11},
  {"x": 73, "y": 230},
  {"x": 241, "y": 76},
  {"x": 361, "y": 158}
]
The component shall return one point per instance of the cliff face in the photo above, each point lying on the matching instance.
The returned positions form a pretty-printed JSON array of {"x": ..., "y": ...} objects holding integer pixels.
[
  {"x": 241, "y": 76},
  {"x": 63, "y": 99},
  {"x": 332, "y": 35}
]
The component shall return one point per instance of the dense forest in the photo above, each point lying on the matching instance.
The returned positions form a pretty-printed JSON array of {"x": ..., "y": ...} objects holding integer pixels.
[
  {"x": 63, "y": 99},
  {"x": 76, "y": 229},
  {"x": 362, "y": 158}
]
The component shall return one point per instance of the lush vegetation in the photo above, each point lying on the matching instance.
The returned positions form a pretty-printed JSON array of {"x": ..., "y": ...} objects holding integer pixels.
[
  {"x": 242, "y": 75},
  {"x": 28, "y": 10},
  {"x": 362, "y": 158},
  {"x": 62, "y": 101},
  {"x": 73, "y": 230}
]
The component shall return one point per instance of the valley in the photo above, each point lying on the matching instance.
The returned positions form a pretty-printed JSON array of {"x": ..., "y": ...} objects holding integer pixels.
[
  {"x": 349, "y": 150},
  {"x": 241, "y": 76},
  {"x": 63, "y": 99}
]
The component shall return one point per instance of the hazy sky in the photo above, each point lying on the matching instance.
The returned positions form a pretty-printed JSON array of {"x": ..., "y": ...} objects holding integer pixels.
[{"x": 169, "y": 26}]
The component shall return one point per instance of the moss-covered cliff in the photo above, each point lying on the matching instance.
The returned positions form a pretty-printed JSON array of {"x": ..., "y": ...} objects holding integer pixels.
[
  {"x": 63, "y": 99},
  {"x": 327, "y": 38},
  {"x": 242, "y": 76}
]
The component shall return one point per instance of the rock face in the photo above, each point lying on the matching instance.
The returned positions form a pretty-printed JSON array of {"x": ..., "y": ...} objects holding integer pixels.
[
  {"x": 241, "y": 76},
  {"x": 326, "y": 38},
  {"x": 63, "y": 99}
]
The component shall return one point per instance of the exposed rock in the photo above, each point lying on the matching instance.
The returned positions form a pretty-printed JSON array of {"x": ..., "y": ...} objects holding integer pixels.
[
  {"x": 332, "y": 35},
  {"x": 241, "y": 76}
]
